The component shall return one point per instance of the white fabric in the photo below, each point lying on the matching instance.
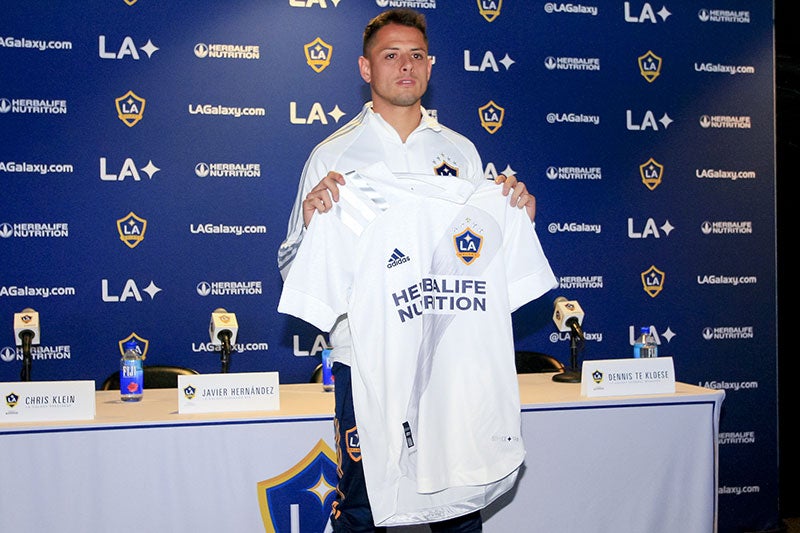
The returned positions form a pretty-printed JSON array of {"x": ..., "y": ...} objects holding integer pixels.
[
  {"x": 428, "y": 275},
  {"x": 368, "y": 139}
]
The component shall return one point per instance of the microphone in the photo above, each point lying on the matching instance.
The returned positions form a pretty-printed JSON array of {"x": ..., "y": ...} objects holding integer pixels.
[
  {"x": 26, "y": 331},
  {"x": 568, "y": 316},
  {"x": 223, "y": 329}
]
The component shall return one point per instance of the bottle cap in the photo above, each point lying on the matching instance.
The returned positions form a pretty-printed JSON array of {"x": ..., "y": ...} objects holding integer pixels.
[{"x": 130, "y": 345}]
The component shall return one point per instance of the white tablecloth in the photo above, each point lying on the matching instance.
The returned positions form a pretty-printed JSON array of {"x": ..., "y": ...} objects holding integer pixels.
[{"x": 616, "y": 465}]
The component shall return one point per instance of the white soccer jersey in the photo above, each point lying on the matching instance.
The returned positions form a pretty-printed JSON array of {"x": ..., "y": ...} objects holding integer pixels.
[
  {"x": 367, "y": 139},
  {"x": 428, "y": 272}
]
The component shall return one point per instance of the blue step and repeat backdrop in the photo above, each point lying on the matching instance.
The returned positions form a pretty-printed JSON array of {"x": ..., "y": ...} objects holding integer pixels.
[{"x": 150, "y": 153}]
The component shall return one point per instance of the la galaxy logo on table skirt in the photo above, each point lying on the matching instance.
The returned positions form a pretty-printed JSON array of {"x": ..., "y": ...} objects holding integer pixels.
[{"x": 299, "y": 500}]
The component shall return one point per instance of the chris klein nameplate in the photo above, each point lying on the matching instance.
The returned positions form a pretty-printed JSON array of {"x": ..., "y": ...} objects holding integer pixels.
[{"x": 46, "y": 401}]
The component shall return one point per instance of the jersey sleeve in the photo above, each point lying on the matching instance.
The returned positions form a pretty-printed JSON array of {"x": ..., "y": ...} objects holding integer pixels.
[
  {"x": 318, "y": 285},
  {"x": 313, "y": 172},
  {"x": 529, "y": 273}
]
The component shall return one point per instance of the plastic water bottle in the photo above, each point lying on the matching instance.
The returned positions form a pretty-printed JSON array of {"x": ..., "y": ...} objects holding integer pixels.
[
  {"x": 645, "y": 344},
  {"x": 650, "y": 348},
  {"x": 640, "y": 341},
  {"x": 327, "y": 376},
  {"x": 131, "y": 374}
]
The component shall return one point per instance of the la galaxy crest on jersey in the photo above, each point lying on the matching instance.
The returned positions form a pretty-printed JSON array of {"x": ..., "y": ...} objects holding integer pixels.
[
  {"x": 445, "y": 169},
  {"x": 468, "y": 245},
  {"x": 353, "y": 445},
  {"x": 444, "y": 166}
]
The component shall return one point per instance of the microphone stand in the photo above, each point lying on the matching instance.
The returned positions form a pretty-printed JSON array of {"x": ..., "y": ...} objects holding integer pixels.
[
  {"x": 225, "y": 349},
  {"x": 225, "y": 357},
  {"x": 25, "y": 374},
  {"x": 572, "y": 375}
]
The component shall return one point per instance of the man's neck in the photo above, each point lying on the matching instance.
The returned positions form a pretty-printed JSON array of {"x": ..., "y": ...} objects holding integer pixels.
[{"x": 403, "y": 119}]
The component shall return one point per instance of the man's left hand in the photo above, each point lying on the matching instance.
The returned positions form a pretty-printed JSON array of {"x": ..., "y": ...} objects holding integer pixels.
[{"x": 520, "y": 197}]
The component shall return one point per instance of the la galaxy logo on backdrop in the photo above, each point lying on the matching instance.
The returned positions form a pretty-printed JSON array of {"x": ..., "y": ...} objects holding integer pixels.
[
  {"x": 491, "y": 116},
  {"x": 649, "y": 66},
  {"x": 142, "y": 344},
  {"x": 490, "y": 9},
  {"x": 651, "y": 172},
  {"x": 318, "y": 54},
  {"x": 653, "y": 281},
  {"x": 130, "y": 108},
  {"x": 131, "y": 229}
]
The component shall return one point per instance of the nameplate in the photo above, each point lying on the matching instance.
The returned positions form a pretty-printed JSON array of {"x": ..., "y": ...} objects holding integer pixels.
[
  {"x": 46, "y": 401},
  {"x": 627, "y": 377},
  {"x": 214, "y": 393}
]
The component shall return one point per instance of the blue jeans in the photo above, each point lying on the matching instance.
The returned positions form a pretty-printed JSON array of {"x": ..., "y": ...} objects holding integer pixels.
[{"x": 351, "y": 509}]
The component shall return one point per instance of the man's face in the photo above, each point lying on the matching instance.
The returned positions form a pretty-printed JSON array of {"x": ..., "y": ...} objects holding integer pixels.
[{"x": 396, "y": 67}]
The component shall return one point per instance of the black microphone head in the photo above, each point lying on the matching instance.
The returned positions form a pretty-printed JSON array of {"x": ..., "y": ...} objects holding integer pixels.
[
  {"x": 224, "y": 337},
  {"x": 575, "y": 325}
]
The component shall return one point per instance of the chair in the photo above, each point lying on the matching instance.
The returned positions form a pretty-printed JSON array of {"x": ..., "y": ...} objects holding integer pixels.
[
  {"x": 316, "y": 375},
  {"x": 536, "y": 362},
  {"x": 155, "y": 377}
]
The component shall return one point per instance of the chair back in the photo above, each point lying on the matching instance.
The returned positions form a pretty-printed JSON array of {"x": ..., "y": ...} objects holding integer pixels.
[
  {"x": 536, "y": 362},
  {"x": 155, "y": 377},
  {"x": 316, "y": 375}
]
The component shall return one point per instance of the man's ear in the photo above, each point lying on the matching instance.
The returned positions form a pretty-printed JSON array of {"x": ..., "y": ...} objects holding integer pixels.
[{"x": 364, "y": 69}]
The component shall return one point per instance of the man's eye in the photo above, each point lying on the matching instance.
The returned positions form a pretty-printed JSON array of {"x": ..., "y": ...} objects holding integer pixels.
[{"x": 391, "y": 56}]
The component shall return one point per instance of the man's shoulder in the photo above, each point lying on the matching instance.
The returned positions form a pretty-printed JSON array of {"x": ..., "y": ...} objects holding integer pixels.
[
  {"x": 453, "y": 135},
  {"x": 335, "y": 144},
  {"x": 345, "y": 133}
]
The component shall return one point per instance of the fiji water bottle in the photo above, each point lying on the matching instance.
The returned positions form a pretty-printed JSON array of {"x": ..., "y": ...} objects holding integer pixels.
[
  {"x": 645, "y": 344},
  {"x": 131, "y": 374},
  {"x": 650, "y": 348},
  {"x": 327, "y": 376},
  {"x": 640, "y": 342}
]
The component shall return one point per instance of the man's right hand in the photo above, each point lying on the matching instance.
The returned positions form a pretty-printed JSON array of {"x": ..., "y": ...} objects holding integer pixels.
[{"x": 322, "y": 196}]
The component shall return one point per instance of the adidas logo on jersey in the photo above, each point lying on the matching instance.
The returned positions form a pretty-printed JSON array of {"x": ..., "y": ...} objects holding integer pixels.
[{"x": 397, "y": 258}]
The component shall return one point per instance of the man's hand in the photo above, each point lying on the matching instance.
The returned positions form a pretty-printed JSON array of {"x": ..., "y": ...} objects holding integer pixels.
[
  {"x": 322, "y": 196},
  {"x": 520, "y": 197}
]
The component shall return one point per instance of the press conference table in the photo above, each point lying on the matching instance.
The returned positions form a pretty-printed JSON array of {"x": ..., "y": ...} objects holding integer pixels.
[{"x": 616, "y": 464}]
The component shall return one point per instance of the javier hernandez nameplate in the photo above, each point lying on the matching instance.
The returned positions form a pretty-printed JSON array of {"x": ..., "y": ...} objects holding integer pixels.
[
  {"x": 627, "y": 377},
  {"x": 215, "y": 393}
]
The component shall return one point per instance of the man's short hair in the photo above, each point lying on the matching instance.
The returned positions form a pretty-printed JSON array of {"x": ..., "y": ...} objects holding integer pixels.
[{"x": 404, "y": 17}]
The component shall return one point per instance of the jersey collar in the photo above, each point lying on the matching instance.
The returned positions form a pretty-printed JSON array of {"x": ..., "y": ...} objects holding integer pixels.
[{"x": 426, "y": 121}]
